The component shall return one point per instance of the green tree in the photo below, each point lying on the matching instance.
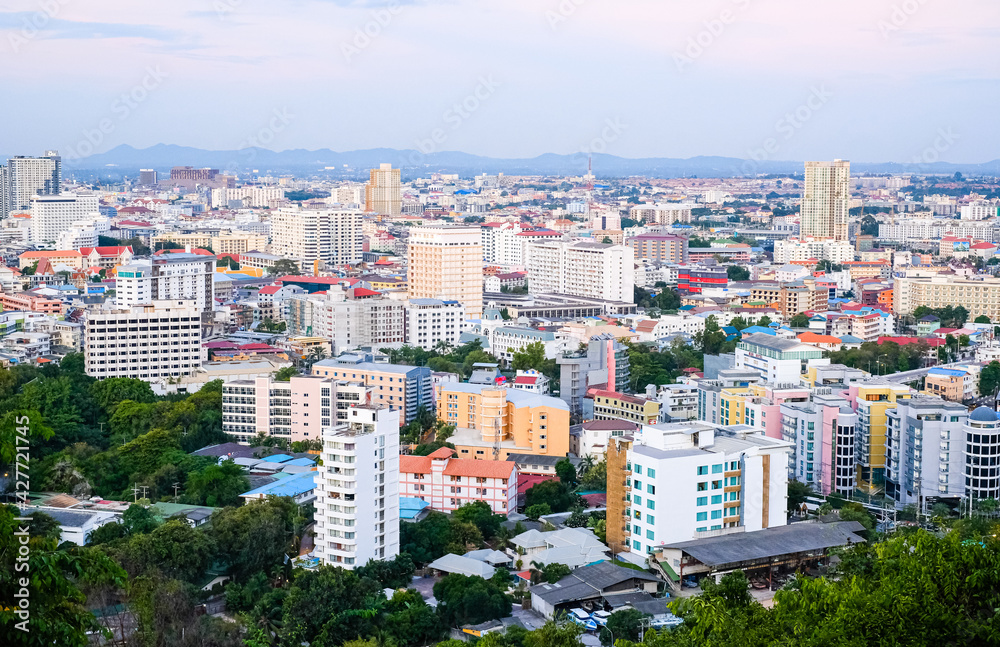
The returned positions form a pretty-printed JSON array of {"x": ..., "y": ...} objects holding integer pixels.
[
  {"x": 175, "y": 549},
  {"x": 531, "y": 356},
  {"x": 538, "y": 510},
  {"x": 256, "y": 536},
  {"x": 711, "y": 339},
  {"x": 737, "y": 273},
  {"x": 555, "y": 634},
  {"x": 566, "y": 473},
  {"x": 283, "y": 267},
  {"x": 479, "y": 514},
  {"x": 395, "y": 573},
  {"x": 217, "y": 485},
  {"x": 286, "y": 373},
  {"x": 329, "y": 602},
  {"x": 469, "y": 600},
  {"x": 797, "y": 493},
  {"x": 989, "y": 378},
  {"x": 555, "y": 493},
  {"x": 801, "y": 320},
  {"x": 982, "y": 319},
  {"x": 625, "y": 624}
]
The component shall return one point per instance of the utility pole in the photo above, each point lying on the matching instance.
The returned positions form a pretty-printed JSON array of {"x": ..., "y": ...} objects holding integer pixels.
[
  {"x": 135, "y": 492},
  {"x": 176, "y": 486}
]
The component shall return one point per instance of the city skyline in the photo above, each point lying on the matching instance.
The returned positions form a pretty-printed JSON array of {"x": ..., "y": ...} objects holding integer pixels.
[{"x": 735, "y": 78}]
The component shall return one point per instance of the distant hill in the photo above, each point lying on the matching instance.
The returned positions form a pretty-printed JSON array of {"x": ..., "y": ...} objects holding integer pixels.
[{"x": 127, "y": 160}]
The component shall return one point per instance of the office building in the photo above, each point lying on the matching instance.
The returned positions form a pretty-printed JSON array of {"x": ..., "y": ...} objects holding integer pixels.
[
  {"x": 447, "y": 263},
  {"x": 384, "y": 192},
  {"x": 826, "y": 200},
  {"x": 919, "y": 459},
  {"x": 167, "y": 277},
  {"x": 317, "y": 237},
  {"x": 147, "y": 177},
  {"x": 447, "y": 483},
  {"x": 298, "y": 409},
  {"x": 187, "y": 173},
  {"x": 493, "y": 422},
  {"x": 53, "y": 214},
  {"x": 28, "y": 177},
  {"x": 430, "y": 322},
  {"x": 694, "y": 480},
  {"x": 399, "y": 388},
  {"x": 583, "y": 269},
  {"x": 161, "y": 339},
  {"x": 357, "y": 490}
]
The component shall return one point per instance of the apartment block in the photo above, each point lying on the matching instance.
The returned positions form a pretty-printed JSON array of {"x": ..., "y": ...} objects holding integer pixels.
[
  {"x": 821, "y": 433},
  {"x": 399, "y": 388},
  {"x": 299, "y": 409},
  {"x": 982, "y": 446},
  {"x": 585, "y": 269},
  {"x": 604, "y": 362},
  {"x": 384, "y": 192},
  {"x": 919, "y": 461},
  {"x": 611, "y": 405},
  {"x": 779, "y": 361},
  {"x": 659, "y": 248},
  {"x": 52, "y": 214},
  {"x": 662, "y": 214},
  {"x": 430, "y": 322},
  {"x": 980, "y": 295},
  {"x": 28, "y": 177},
  {"x": 798, "y": 250},
  {"x": 447, "y": 483},
  {"x": 510, "y": 421},
  {"x": 348, "y": 317},
  {"x": 309, "y": 237},
  {"x": 161, "y": 339},
  {"x": 357, "y": 490},
  {"x": 872, "y": 400},
  {"x": 167, "y": 277},
  {"x": 694, "y": 480},
  {"x": 447, "y": 263},
  {"x": 826, "y": 200}
]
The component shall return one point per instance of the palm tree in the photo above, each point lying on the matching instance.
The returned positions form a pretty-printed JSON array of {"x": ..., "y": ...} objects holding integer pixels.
[{"x": 586, "y": 464}]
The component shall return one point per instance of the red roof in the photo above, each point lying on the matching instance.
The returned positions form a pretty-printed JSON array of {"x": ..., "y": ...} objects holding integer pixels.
[
  {"x": 526, "y": 379},
  {"x": 983, "y": 246},
  {"x": 903, "y": 341},
  {"x": 106, "y": 251},
  {"x": 456, "y": 466},
  {"x": 811, "y": 337},
  {"x": 135, "y": 223},
  {"x": 526, "y": 481},
  {"x": 269, "y": 289},
  {"x": 329, "y": 280},
  {"x": 197, "y": 250},
  {"x": 258, "y": 347},
  {"x": 364, "y": 292},
  {"x": 441, "y": 453},
  {"x": 620, "y": 396}
]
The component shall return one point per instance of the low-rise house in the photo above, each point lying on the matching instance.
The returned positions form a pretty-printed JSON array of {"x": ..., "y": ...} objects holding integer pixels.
[
  {"x": 590, "y": 584},
  {"x": 447, "y": 483}
]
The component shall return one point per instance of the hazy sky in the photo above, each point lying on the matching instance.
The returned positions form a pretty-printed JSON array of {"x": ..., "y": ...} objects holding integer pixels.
[{"x": 866, "y": 80}]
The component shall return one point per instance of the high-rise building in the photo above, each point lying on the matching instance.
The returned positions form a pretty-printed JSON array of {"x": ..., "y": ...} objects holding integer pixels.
[
  {"x": 692, "y": 480},
  {"x": 826, "y": 200},
  {"x": 446, "y": 262},
  {"x": 980, "y": 296},
  {"x": 357, "y": 489},
  {"x": 584, "y": 269},
  {"x": 307, "y": 236},
  {"x": 603, "y": 362},
  {"x": 158, "y": 340},
  {"x": 31, "y": 176},
  {"x": 872, "y": 400},
  {"x": 147, "y": 177},
  {"x": 4, "y": 192},
  {"x": 982, "y": 446},
  {"x": 53, "y": 214},
  {"x": 167, "y": 277},
  {"x": 384, "y": 193},
  {"x": 920, "y": 461},
  {"x": 400, "y": 388},
  {"x": 299, "y": 409},
  {"x": 432, "y": 321},
  {"x": 348, "y": 317}
]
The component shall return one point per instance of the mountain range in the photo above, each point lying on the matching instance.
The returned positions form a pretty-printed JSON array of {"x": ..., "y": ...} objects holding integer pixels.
[{"x": 127, "y": 160}]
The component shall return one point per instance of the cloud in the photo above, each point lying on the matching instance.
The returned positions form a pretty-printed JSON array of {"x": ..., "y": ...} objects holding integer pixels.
[{"x": 57, "y": 28}]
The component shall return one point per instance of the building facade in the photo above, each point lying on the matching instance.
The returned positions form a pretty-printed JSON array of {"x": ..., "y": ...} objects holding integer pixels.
[
  {"x": 384, "y": 192},
  {"x": 447, "y": 483},
  {"x": 826, "y": 200},
  {"x": 310, "y": 237},
  {"x": 447, "y": 263},
  {"x": 586, "y": 269},
  {"x": 399, "y": 388}
]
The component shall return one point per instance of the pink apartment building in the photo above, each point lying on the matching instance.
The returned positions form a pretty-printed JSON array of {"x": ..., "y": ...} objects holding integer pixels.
[{"x": 447, "y": 483}]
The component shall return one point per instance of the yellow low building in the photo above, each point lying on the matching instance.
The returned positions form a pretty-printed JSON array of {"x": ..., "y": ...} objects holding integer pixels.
[
  {"x": 611, "y": 405},
  {"x": 872, "y": 400},
  {"x": 518, "y": 422}
]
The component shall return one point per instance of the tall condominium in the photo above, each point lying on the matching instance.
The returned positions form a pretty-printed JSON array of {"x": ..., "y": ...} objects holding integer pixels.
[
  {"x": 826, "y": 201},
  {"x": 447, "y": 263},
  {"x": 348, "y": 317},
  {"x": 308, "y": 237},
  {"x": 4, "y": 191},
  {"x": 357, "y": 489},
  {"x": 53, "y": 214},
  {"x": 159, "y": 340},
  {"x": 31, "y": 176},
  {"x": 167, "y": 277},
  {"x": 678, "y": 482},
  {"x": 583, "y": 269},
  {"x": 147, "y": 177},
  {"x": 384, "y": 193}
]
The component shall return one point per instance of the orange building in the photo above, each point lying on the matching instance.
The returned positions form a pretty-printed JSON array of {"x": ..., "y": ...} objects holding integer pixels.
[
  {"x": 24, "y": 302},
  {"x": 520, "y": 422}
]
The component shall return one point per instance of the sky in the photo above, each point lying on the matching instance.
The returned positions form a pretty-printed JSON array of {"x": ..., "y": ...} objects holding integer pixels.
[{"x": 866, "y": 80}]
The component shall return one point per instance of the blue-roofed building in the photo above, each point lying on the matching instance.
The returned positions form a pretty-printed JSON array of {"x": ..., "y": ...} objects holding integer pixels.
[
  {"x": 413, "y": 508},
  {"x": 306, "y": 462},
  {"x": 278, "y": 458},
  {"x": 300, "y": 487},
  {"x": 755, "y": 329}
]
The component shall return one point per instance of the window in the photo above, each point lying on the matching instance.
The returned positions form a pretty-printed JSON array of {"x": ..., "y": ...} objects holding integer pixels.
[
  {"x": 734, "y": 466},
  {"x": 649, "y": 534},
  {"x": 716, "y": 499},
  {"x": 651, "y": 473},
  {"x": 702, "y": 516},
  {"x": 717, "y": 469},
  {"x": 716, "y": 485},
  {"x": 637, "y": 468},
  {"x": 637, "y": 499},
  {"x": 650, "y": 504},
  {"x": 702, "y": 470},
  {"x": 716, "y": 514},
  {"x": 703, "y": 500},
  {"x": 650, "y": 489},
  {"x": 650, "y": 519},
  {"x": 636, "y": 545},
  {"x": 637, "y": 485},
  {"x": 636, "y": 530},
  {"x": 703, "y": 486}
]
